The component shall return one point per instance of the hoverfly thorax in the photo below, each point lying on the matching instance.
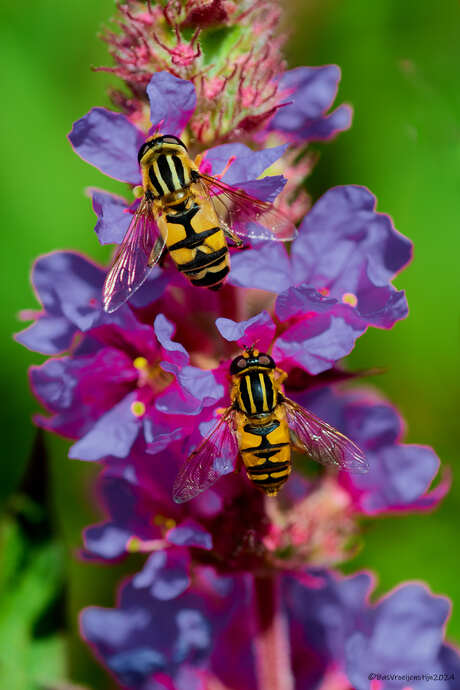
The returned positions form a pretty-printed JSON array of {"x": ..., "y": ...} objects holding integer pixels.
[
  {"x": 191, "y": 215},
  {"x": 166, "y": 166}
]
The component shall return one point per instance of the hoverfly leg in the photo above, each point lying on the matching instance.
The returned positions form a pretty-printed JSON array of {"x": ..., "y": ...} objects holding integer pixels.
[
  {"x": 282, "y": 375},
  {"x": 235, "y": 239}
]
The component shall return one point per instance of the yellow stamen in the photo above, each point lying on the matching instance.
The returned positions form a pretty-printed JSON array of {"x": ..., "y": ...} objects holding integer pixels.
[
  {"x": 162, "y": 521},
  {"x": 133, "y": 545},
  {"x": 140, "y": 363},
  {"x": 138, "y": 408},
  {"x": 138, "y": 191},
  {"x": 350, "y": 298}
]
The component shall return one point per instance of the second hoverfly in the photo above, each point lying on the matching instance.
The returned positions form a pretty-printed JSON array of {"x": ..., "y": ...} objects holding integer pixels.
[
  {"x": 262, "y": 426},
  {"x": 190, "y": 213}
]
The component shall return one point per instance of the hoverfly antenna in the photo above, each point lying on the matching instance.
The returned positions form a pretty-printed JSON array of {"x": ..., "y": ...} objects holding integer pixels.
[{"x": 250, "y": 348}]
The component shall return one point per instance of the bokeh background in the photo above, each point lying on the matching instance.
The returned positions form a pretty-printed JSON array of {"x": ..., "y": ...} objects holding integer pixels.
[{"x": 400, "y": 65}]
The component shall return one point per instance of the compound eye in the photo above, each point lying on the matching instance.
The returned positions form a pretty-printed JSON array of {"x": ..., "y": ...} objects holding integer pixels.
[
  {"x": 170, "y": 139},
  {"x": 241, "y": 363},
  {"x": 142, "y": 150},
  {"x": 264, "y": 359}
]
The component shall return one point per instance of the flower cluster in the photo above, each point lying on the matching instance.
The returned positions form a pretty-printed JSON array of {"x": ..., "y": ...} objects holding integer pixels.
[
  {"x": 138, "y": 389},
  {"x": 231, "y": 53}
]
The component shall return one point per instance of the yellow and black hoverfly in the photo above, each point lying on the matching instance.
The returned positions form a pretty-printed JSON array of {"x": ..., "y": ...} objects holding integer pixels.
[
  {"x": 192, "y": 214},
  {"x": 262, "y": 426}
]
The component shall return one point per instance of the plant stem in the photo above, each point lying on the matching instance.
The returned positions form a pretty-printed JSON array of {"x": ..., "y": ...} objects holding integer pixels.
[{"x": 271, "y": 639}]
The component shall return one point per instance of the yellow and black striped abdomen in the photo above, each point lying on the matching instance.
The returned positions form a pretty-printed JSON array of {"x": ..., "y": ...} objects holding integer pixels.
[
  {"x": 266, "y": 451},
  {"x": 196, "y": 241},
  {"x": 256, "y": 393},
  {"x": 168, "y": 174}
]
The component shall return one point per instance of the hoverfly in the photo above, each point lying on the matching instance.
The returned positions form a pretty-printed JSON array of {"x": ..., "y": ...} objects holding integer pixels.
[
  {"x": 263, "y": 425},
  {"x": 191, "y": 214}
]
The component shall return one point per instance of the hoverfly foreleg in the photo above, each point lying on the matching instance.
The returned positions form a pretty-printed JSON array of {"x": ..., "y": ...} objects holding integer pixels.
[{"x": 229, "y": 233}]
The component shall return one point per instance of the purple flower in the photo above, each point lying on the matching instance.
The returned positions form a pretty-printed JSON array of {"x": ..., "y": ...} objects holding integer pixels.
[
  {"x": 122, "y": 378},
  {"x": 309, "y": 93},
  {"x": 147, "y": 640},
  {"x": 314, "y": 518},
  {"x": 399, "y": 475},
  {"x": 336, "y": 282},
  {"x": 334, "y": 633}
]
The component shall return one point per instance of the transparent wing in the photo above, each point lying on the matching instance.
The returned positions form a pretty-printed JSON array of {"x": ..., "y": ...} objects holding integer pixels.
[
  {"x": 245, "y": 215},
  {"x": 140, "y": 250},
  {"x": 214, "y": 457},
  {"x": 322, "y": 442}
]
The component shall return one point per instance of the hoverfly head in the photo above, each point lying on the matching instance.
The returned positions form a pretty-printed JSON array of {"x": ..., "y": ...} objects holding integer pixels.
[
  {"x": 159, "y": 143},
  {"x": 250, "y": 359}
]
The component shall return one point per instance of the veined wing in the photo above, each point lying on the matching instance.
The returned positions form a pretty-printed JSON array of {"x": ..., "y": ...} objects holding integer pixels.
[
  {"x": 245, "y": 215},
  {"x": 140, "y": 250},
  {"x": 322, "y": 442},
  {"x": 214, "y": 457}
]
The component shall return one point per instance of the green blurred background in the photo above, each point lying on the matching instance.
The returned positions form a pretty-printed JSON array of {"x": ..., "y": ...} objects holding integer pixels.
[{"x": 400, "y": 65}]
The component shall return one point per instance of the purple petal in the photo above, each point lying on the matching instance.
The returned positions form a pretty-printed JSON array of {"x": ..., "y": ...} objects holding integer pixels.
[
  {"x": 172, "y": 102},
  {"x": 164, "y": 329},
  {"x": 347, "y": 247},
  {"x": 54, "y": 382},
  {"x": 49, "y": 335},
  {"x": 190, "y": 533},
  {"x": 251, "y": 268},
  {"x": 302, "y": 300},
  {"x": 112, "y": 218},
  {"x": 110, "y": 142},
  {"x": 113, "y": 626},
  {"x": 106, "y": 541},
  {"x": 316, "y": 343},
  {"x": 153, "y": 288},
  {"x": 373, "y": 426},
  {"x": 113, "y": 434},
  {"x": 70, "y": 286},
  {"x": 266, "y": 189},
  {"x": 159, "y": 436},
  {"x": 248, "y": 164},
  {"x": 133, "y": 666},
  {"x": 406, "y": 636},
  {"x": 145, "y": 635},
  {"x": 327, "y": 615},
  {"x": 398, "y": 476},
  {"x": 312, "y": 91},
  {"x": 382, "y": 307},
  {"x": 177, "y": 401},
  {"x": 201, "y": 384},
  {"x": 259, "y": 330},
  {"x": 165, "y": 573},
  {"x": 326, "y": 127}
]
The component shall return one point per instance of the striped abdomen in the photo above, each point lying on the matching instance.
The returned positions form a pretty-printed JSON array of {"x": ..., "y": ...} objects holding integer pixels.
[
  {"x": 266, "y": 451},
  {"x": 196, "y": 241},
  {"x": 168, "y": 174}
]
